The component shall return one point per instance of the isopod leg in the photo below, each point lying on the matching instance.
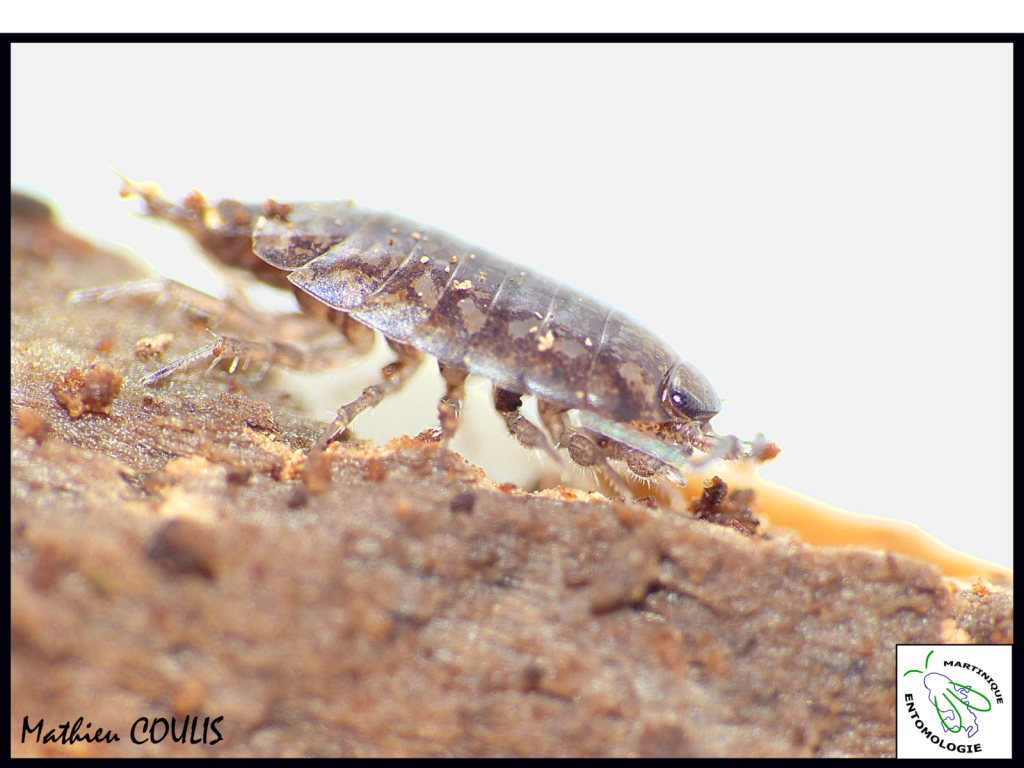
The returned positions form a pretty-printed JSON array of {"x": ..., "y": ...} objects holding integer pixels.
[
  {"x": 586, "y": 453},
  {"x": 451, "y": 403},
  {"x": 224, "y": 348},
  {"x": 360, "y": 338},
  {"x": 393, "y": 377},
  {"x": 108, "y": 292},
  {"x": 650, "y": 470},
  {"x": 232, "y": 313},
  {"x": 582, "y": 450},
  {"x": 641, "y": 464},
  {"x": 529, "y": 435},
  {"x": 554, "y": 419}
]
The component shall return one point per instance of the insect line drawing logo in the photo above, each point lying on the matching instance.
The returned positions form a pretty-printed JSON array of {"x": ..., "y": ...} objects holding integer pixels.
[{"x": 951, "y": 712}]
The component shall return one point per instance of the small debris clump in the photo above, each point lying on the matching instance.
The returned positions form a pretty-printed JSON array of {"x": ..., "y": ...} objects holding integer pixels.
[
  {"x": 732, "y": 511},
  {"x": 93, "y": 392}
]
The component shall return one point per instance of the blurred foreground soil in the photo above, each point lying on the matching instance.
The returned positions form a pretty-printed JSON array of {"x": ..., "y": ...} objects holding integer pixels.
[{"x": 174, "y": 554}]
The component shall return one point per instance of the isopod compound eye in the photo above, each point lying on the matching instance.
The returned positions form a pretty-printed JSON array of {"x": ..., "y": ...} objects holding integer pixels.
[{"x": 688, "y": 395}]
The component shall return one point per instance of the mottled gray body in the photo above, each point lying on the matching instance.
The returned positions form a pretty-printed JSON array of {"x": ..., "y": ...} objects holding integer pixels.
[{"x": 472, "y": 309}]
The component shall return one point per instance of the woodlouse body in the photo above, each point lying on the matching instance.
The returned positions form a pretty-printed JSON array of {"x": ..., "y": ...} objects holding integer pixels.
[
  {"x": 474, "y": 310},
  {"x": 430, "y": 292}
]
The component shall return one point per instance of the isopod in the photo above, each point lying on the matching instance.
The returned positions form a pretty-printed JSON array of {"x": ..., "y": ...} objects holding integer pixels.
[{"x": 606, "y": 387}]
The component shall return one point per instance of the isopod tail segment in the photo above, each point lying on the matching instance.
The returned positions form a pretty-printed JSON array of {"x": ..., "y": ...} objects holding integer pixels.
[{"x": 608, "y": 389}]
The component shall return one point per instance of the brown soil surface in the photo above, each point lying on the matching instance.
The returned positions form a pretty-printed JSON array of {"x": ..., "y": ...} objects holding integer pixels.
[{"x": 176, "y": 554}]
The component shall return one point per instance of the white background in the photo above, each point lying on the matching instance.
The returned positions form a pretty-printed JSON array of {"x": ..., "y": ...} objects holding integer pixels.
[{"x": 825, "y": 230}]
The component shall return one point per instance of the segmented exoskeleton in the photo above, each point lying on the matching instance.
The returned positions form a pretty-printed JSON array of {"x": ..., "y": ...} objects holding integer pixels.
[{"x": 431, "y": 293}]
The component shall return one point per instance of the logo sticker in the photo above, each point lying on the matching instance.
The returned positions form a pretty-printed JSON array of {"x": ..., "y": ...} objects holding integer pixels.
[{"x": 953, "y": 701}]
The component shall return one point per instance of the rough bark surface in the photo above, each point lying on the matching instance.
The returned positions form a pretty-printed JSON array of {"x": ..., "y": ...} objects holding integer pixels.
[{"x": 174, "y": 554}]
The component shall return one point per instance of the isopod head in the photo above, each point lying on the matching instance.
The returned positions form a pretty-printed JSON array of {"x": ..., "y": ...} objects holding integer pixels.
[{"x": 688, "y": 395}]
